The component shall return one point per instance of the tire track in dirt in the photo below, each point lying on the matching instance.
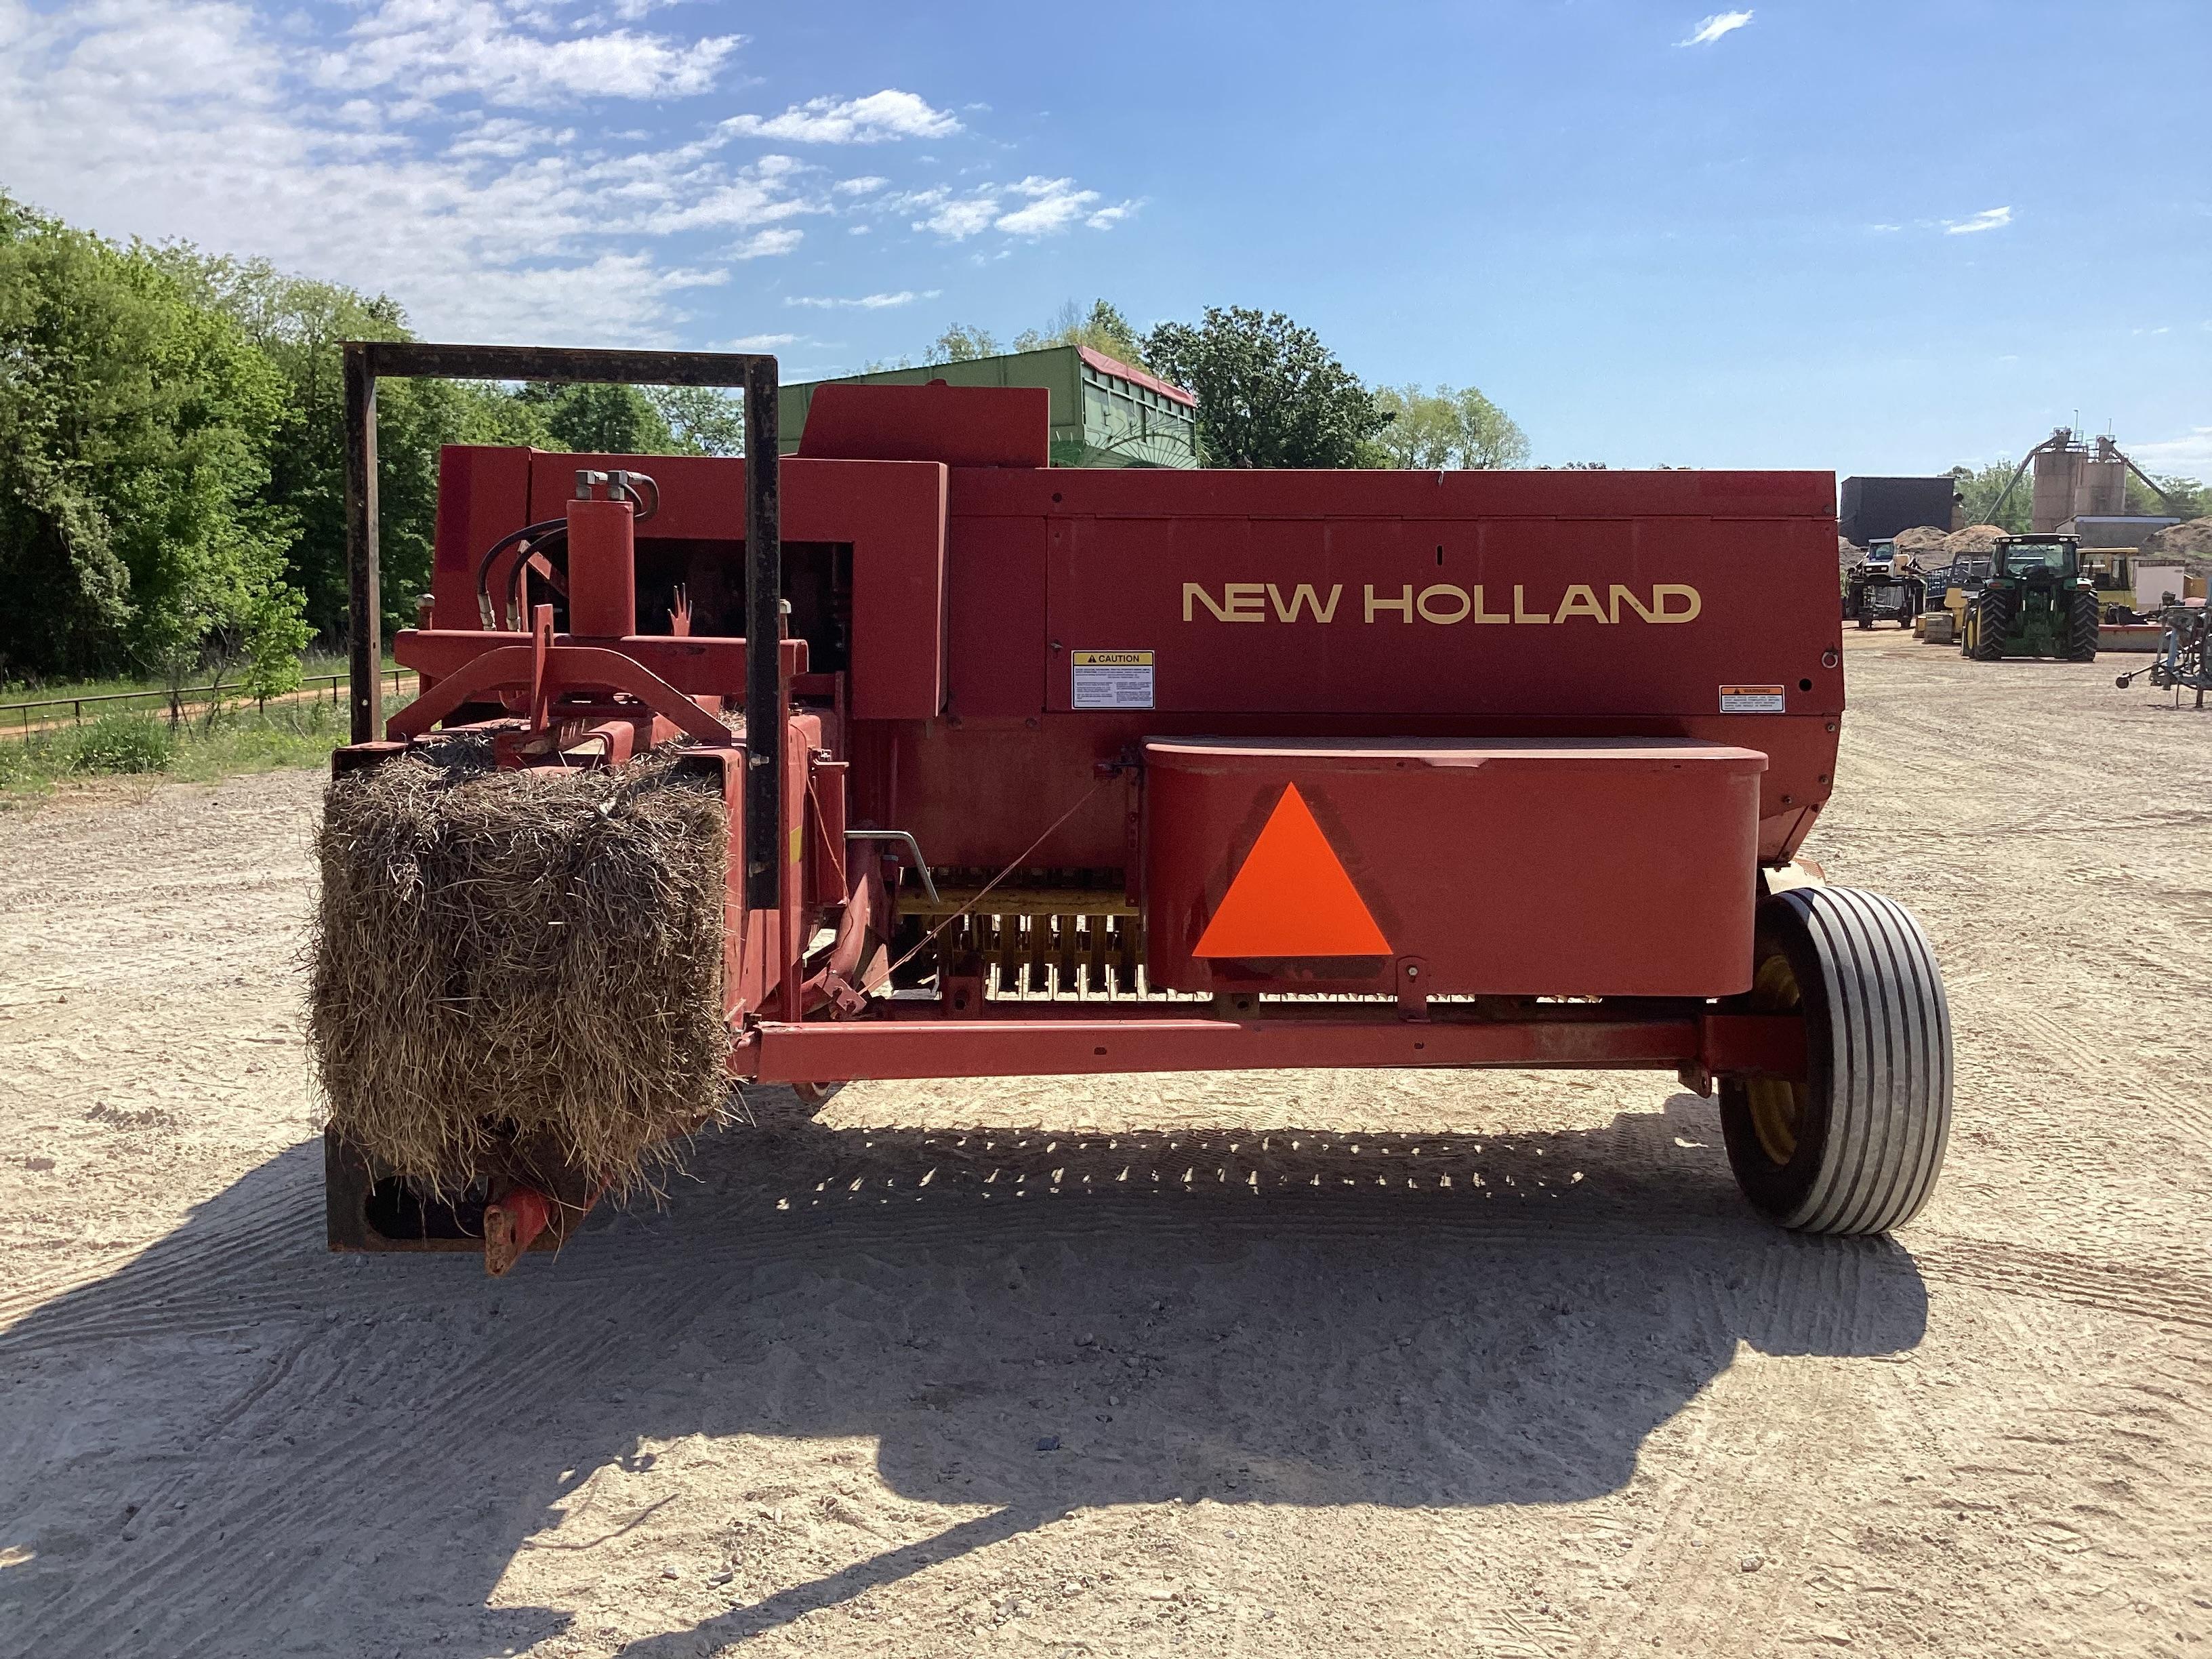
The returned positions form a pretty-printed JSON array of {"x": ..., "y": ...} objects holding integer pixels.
[
  {"x": 442, "y": 1431},
  {"x": 2094, "y": 1060}
]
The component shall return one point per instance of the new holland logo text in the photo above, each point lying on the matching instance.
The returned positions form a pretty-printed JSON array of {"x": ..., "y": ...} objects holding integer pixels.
[{"x": 1442, "y": 603}]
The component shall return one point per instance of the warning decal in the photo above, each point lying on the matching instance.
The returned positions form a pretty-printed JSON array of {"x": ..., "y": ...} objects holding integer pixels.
[
  {"x": 1111, "y": 680},
  {"x": 1751, "y": 700},
  {"x": 1291, "y": 896}
]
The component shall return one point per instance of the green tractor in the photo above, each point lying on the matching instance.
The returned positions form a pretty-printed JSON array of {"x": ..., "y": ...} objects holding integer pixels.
[{"x": 2035, "y": 602}]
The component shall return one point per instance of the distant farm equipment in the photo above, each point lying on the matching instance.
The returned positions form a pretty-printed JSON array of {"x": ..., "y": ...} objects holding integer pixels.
[
  {"x": 2183, "y": 662},
  {"x": 2035, "y": 602},
  {"x": 1884, "y": 586}
]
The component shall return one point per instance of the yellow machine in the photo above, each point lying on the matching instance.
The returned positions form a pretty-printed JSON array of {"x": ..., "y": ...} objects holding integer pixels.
[
  {"x": 1950, "y": 589},
  {"x": 2113, "y": 571}
]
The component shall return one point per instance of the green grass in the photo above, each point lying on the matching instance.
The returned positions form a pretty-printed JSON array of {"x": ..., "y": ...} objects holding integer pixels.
[{"x": 301, "y": 734}]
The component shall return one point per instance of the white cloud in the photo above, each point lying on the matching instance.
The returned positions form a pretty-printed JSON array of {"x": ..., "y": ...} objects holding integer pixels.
[
  {"x": 501, "y": 137},
  {"x": 957, "y": 220},
  {"x": 881, "y": 116},
  {"x": 761, "y": 194},
  {"x": 1994, "y": 218},
  {"x": 1055, "y": 203},
  {"x": 756, "y": 343},
  {"x": 1884, "y": 229},
  {"x": 2189, "y": 454},
  {"x": 1041, "y": 207},
  {"x": 509, "y": 52},
  {"x": 410, "y": 148},
  {"x": 865, "y": 302},
  {"x": 1712, "y": 29},
  {"x": 767, "y": 244}
]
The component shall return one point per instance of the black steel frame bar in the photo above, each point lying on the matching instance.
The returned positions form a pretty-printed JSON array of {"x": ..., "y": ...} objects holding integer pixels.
[{"x": 367, "y": 361}]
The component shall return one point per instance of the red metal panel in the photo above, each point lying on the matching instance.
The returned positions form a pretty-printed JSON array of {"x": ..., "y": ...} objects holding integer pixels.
[
  {"x": 996, "y": 659},
  {"x": 1480, "y": 617},
  {"x": 893, "y": 514},
  {"x": 483, "y": 494},
  {"x": 1164, "y": 493},
  {"x": 959, "y": 425},
  {"x": 1601, "y": 868},
  {"x": 950, "y": 782}
]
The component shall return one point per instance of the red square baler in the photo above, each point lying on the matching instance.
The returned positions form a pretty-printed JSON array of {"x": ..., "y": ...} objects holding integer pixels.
[{"x": 1059, "y": 771}]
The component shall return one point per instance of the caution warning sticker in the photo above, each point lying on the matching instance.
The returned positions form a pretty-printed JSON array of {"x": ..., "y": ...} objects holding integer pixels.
[
  {"x": 1111, "y": 680},
  {"x": 1751, "y": 700}
]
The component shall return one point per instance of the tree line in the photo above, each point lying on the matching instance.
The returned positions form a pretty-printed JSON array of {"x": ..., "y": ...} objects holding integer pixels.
[
  {"x": 172, "y": 455},
  {"x": 1271, "y": 394},
  {"x": 172, "y": 444}
]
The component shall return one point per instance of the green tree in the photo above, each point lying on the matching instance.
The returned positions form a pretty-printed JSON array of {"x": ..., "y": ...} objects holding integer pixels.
[
  {"x": 1980, "y": 488},
  {"x": 1103, "y": 328},
  {"x": 300, "y": 325},
  {"x": 963, "y": 344},
  {"x": 600, "y": 420},
  {"x": 1434, "y": 430},
  {"x": 1269, "y": 394},
  {"x": 134, "y": 427},
  {"x": 2186, "y": 497},
  {"x": 704, "y": 420}
]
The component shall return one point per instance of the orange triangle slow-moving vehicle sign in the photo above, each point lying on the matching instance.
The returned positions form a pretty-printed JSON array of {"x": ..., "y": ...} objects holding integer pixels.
[{"x": 1291, "y": 896}]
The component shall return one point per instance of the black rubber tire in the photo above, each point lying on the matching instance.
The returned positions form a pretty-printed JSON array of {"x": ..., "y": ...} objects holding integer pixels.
[
  {"x": 1992, "y": 622},
  {"x": 1865, "y": 621},
  {"x": 2083, "y": 614},
  {"x": 1874, "y": 1114}
]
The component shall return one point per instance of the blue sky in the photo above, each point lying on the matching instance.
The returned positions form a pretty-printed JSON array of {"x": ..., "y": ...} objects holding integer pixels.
[{"x": 1840, "y": 233}]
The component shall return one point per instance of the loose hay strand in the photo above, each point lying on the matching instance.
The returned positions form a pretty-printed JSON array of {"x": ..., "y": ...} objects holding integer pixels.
[{"x": 519, "y": 958}]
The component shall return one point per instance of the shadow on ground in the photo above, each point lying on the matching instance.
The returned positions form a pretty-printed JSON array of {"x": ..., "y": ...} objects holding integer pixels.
[{"x": 236, "y": 1443}]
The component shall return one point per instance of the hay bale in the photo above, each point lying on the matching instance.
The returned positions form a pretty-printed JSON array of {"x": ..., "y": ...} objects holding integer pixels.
[{"x": 515, "y": 959}]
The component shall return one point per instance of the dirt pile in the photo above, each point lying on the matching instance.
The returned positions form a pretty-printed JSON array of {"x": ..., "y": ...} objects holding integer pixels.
[
  {"x": 1920, "y": 541},
  {"x": 2188, "y": 543},
  {"x": 519, "y": 960},
  {"x": 1975, "y": 539}
]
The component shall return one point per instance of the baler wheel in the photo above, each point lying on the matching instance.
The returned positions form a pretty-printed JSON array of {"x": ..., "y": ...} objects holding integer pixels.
[{"x": 1856, "y": 1148}]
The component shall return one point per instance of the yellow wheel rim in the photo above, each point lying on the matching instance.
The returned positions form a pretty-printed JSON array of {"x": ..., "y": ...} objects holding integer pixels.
[{"x": 1777, "y": 1106}]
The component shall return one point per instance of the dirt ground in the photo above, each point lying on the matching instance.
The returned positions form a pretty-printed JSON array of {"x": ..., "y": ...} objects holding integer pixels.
[{"x": 1393, "y": 1363}]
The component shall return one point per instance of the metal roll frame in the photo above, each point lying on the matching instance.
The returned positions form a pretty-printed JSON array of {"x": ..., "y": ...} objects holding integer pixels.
[{"x": 369, "y": 361}]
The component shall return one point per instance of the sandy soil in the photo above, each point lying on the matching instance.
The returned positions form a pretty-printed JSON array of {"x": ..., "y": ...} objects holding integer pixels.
[{"x": 1401, "y": 1364}]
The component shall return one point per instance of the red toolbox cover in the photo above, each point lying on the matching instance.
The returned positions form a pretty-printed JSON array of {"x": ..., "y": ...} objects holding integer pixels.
[{"x": 1450, "y": 866}]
